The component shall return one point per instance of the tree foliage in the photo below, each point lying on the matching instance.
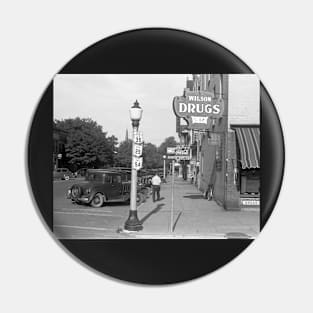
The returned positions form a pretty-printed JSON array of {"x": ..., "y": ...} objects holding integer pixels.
[
  {"x": 168, "y": 142},
  {"x": 124, "y": 154},
  {"x": 87, "y": 145},
  {"x": 151, "y": 156}
]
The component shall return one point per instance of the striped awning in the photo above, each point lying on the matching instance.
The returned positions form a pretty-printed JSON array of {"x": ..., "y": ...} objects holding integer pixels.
[{"x": 249, "y": 146}]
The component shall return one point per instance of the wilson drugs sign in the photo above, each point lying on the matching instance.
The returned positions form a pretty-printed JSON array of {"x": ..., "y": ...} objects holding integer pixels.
[{"x": 198, "y": 108}]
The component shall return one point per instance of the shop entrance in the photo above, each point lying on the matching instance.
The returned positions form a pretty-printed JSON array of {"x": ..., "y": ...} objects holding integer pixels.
[{"x": 248, "y": 157}]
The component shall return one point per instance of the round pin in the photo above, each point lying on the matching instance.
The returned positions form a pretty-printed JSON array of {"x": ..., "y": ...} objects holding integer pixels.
[{"x": 155, "y": 156}]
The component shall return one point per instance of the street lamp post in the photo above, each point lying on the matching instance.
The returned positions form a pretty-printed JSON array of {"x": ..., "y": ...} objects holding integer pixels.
[
  {"x": 133, "y": 223},
  {"x": 164, "y": 167}
]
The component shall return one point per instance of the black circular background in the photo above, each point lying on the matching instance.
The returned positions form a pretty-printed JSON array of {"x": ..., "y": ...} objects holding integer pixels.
[{"x": 154, "y": 50}]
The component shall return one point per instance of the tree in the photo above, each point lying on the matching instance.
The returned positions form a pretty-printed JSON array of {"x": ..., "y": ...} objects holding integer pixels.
[
  {"x": 124, "y": 154},
  {"x": 151, "y": 156},
  {"x": 86, "y": 143},
  {"x": 113, "y": 142},
  {"x": 168, "y": 142}
]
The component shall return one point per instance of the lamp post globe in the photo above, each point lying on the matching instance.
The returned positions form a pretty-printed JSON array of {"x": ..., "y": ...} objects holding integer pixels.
[
  {"x": 135, "y": 113},
  {"x": 133, "y": 223}
]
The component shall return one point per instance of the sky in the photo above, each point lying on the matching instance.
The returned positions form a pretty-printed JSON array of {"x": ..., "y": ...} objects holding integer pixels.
[{"x": 107, "y": 98}]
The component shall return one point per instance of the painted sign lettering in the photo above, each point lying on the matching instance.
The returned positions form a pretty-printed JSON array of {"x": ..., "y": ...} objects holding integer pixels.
[
  {"x": 137, "y": 150},
  {"x": 137, "y": 163},
  {"x": 198, "y": 108},
  {"x": 138, "y": 138}
]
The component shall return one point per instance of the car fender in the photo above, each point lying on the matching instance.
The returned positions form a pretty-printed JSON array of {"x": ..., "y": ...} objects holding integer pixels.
[{"x": 94, "y": 192}]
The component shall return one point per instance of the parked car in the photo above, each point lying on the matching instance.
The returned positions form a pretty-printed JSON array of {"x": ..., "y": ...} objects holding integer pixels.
[
  {"x": 103, "y": 186},
  {"x": 81, "y": 172},
  {"x": 62, "y": 173}
]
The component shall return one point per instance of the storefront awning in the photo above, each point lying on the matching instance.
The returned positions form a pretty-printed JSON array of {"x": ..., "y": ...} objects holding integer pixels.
[{"x": 249, "y": 146}]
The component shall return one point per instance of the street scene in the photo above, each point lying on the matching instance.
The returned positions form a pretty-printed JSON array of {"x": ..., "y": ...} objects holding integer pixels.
[
  {"x": 194, "y": 217},
  {"x": 156, "y": 156}
]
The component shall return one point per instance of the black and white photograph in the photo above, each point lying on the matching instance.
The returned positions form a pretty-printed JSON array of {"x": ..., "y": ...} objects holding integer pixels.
[
  {"x": 164, "y": 156},
  {"x": 98, "y": 98}
]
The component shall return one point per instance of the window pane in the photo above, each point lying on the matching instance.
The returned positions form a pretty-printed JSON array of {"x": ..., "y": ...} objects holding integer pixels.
[
  {"x": 107, "y": 178},
  {"x": 116, "y": 179}
]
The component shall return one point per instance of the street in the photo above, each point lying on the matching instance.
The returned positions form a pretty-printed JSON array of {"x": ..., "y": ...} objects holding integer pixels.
[
  {"x": 193, "y": 217},
  {"x": 82, "y": 221}
]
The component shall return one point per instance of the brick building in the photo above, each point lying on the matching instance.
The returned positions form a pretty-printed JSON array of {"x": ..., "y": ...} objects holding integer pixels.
[{"x": 225, "y": 157}]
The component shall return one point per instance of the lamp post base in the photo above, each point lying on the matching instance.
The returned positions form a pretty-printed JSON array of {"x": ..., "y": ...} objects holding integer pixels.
[{"x": 133, "y": 223}]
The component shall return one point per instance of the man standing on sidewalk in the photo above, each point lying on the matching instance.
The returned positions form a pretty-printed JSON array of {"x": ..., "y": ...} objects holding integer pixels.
[{"x": 156, "y": 186}]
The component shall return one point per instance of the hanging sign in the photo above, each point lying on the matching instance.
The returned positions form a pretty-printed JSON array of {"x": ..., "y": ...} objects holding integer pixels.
[
  {"x": 178, "y": 150},
  {"x": 178, "y": 153},
  {"x": 170, "y": 150},
  {"x": 198, "y": 108},
  {"x": 182, "y": 151},
  {"x": 137, "y": 163},
  {"x": 179, "y": 157}
]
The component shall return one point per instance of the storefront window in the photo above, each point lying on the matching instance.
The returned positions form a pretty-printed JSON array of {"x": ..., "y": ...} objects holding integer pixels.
[{"x": 250, "y": 181}]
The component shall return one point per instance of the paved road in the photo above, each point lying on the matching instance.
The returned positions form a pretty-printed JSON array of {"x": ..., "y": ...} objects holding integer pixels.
[
  {"x": 81, "y": 221},
  {"x": 192, "y": 216}
]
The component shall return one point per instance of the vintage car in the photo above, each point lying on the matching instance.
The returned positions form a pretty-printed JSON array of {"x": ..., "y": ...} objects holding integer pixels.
[
  {"x": 103, "y": 186},
  {"x": 62, "y": 173},
  {"x": 81, "y": 172}
]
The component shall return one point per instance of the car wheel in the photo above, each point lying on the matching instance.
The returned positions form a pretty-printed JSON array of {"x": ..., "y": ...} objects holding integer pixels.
[
  {"x": 76, "y": 192},
  {"x": 97, "y": 201}
]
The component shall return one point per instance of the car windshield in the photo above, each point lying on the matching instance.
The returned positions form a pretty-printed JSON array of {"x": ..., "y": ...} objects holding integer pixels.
[{"x": 94, "y": 176}]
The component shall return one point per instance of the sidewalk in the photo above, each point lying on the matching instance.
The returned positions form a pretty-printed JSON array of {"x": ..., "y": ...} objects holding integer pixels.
[{"x": 194, "y": 217}]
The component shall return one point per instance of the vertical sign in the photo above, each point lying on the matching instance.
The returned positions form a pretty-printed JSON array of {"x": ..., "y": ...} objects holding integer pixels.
[
  {"x": 138, "y": 138},
  {"x": 137, "y": 163},
  {"x": 137, "y": 151}
]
